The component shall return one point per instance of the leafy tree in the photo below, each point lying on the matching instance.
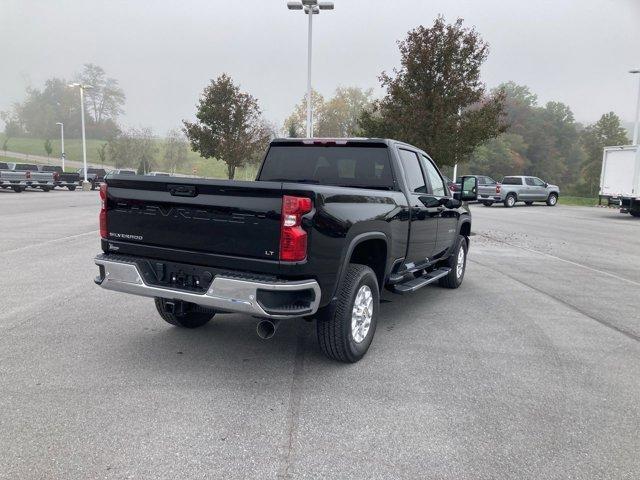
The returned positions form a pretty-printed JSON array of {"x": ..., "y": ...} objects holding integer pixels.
[
  {"x": 497, "y": 157},
  {"x": 37, "y": 115},
  {"x": 102, "y": 153},
  {"x": 5, "y": 145},
  {"x": 436, "y": 100},
  {"x": 229, "y": 125},
  {"x": 297, "y": 121},
  {"x": 48, "y": 147},
  {"x": 106, "y": 99},
  {"x": 133, "y": 148},
  {"x": 607, "y": 131},
  {"x": 336, "y": 117},
  {"x": 176, "y": 150}
]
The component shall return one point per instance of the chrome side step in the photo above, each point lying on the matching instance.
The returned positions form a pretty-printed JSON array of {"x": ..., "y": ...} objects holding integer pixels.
[{"x": 417, "y": 283}]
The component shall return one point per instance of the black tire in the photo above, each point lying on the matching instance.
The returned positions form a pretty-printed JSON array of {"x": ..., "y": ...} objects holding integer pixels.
[
  {"x": 335, "y": 334},
  {"x": 528, "y": 203},
  {"x": 552, "y": 200},
  {"x": 4, "y": 186},
  {"x": 634, "y": 213},
  {"x": 71, "y": 188},
  {"x": 453, "y": 280},
  {"x": 93, "y": 185},
  {"x": 46, "y": 189},
  {"x": 487, "y": 204},
  {"x": 18, "y": 189},
  {"x": 186, "y": 320},
  {"x": 510, "y": 200}
]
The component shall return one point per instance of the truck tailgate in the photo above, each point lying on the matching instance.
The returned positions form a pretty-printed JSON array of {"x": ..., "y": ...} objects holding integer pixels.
[{"x": 233, "y": 218}]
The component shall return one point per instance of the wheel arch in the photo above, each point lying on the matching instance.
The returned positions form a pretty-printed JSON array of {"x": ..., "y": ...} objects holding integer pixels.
[{"x": 365, "y": 249}]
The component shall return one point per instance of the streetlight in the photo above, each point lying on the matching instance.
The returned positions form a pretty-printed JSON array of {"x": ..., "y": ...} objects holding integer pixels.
[
  {"x": 84, "y": 141},
  {"x": 636, "y": 128},
  {"x": 311, "y": 8},
  {"x": 61, "y": 142}
]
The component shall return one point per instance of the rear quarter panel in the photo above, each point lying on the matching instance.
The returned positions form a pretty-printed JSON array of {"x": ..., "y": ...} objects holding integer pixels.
[{"x": 339, "y": 216}]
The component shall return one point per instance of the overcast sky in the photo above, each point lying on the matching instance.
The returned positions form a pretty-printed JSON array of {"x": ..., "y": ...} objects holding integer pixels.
[{"x": 164, "y": 52}]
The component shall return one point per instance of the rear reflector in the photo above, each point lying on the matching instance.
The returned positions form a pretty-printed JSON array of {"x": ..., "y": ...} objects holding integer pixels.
[
  {"x": 293, "y": 239},
  {"x": 103, "y": 211}
]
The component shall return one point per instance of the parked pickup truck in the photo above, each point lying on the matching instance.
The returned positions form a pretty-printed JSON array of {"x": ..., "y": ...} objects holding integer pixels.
[
  {"x": 324, "y": 228},
  {"x": 95, "y": 176},
  {"x": 70, "y": 180},
  {"x": 19, "y": 176},
  {"x": 520, "y": 189}
]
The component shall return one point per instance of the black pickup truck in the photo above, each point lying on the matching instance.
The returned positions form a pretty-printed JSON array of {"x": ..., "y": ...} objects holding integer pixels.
[
  {"x": 324, "y": 228},
  {"x": 71, "y": 180}
]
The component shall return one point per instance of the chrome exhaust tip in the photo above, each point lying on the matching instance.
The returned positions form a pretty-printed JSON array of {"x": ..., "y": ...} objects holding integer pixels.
[{"x": 267, "y": 328}]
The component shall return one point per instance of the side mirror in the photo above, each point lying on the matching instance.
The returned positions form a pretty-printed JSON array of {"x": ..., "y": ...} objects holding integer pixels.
[
  {"x": 546, "y": 184},
  {"x": 429, "y": 202},
  {"x": 469, "y": 190}
]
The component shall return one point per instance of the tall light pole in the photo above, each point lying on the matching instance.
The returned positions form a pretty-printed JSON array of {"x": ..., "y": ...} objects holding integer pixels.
[
  {"x": 636, "y": 128},
  {"x": 311, "y": 8},
  {"x": 61, "y": 143},
  {"x": 84, "y": 141}
]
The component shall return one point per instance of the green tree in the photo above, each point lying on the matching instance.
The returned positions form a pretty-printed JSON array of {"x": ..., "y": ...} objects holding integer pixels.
[
  {"x": 229, "y": 125},
  {"x": 102, "y": 153},
  {"x": 48, "y": 147},
  {"x": 606, "y": 132},
  {"x": 176, "y": 151},
  {"x": 297, "y": 121},
  {"x": 497, "y": 157},
  {"x": 133, "y": 148},
  {"x": 436, "y": 100}
]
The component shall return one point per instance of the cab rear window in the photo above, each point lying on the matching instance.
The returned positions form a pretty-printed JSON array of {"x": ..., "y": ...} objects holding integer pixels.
[
  {"x": 512, "y": 181},
  {"x": 342, "y": 166}
]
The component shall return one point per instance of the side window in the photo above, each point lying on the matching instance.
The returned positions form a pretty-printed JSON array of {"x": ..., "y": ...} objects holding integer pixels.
[
  {"x": 412, "y": 172},
  {"x": 529, "y": 181},
  {"x": 437, "y": 187},
  {"x": 489, "y": 181},
  {"x": 537, "y": 182}
]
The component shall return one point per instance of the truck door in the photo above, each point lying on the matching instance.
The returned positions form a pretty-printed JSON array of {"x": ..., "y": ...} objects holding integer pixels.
[
  {"x": 424, "y": 218},
  {"x": 534, "y": 189},
  {"x": 447, "y": 218}
]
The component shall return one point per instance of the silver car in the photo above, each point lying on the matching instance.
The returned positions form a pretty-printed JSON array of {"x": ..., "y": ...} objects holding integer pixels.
[{"x": 521, "y": 189}]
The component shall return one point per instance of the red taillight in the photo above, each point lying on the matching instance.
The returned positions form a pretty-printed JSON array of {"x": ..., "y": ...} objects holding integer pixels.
[
  {"x": 28, "y": 174},
  {"x": 56, "y": 176},
  {"x": 293, "y": 239},
  {"x": 103, "y": 211},
  {"x": 453, "y": 187},
  {"x": 498, "y": 188}
]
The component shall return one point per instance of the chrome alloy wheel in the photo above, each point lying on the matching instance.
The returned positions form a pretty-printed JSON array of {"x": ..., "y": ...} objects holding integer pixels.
[
  {"x": 552, "y": 200},
  {"x": 511, "y": 201},
  {"x": 460, "y": 263},
  {"x": 361, "y": 314}
]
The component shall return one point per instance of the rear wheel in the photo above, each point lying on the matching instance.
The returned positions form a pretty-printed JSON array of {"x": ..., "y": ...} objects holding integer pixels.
[
  {"x": 510, "y": 200},
  {"x": 528, "y": 203},
  {"x": 93, "y": 185},
  {"x": 193, "y": 319},
  {"x": 635, "y": 213},
  {"x": 46, "y": 189},
  {"x": 347, "y": 334},
  {"x": 71, "y": 188},
  {"x": 457, "y": 262},
  {"x": 552, "y": 200},
  {"x": 18, "y": 189}
]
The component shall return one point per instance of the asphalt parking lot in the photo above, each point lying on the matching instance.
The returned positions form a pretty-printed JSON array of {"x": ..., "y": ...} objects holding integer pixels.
[{"x": 530, "y": 370}]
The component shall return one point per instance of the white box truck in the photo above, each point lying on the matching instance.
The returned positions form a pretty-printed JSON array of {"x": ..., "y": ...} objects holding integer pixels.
[{"x": 620, "y": 178}]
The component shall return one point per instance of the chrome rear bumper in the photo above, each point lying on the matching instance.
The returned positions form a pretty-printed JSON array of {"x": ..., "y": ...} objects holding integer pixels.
[{"x": 225, "y": 293}]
